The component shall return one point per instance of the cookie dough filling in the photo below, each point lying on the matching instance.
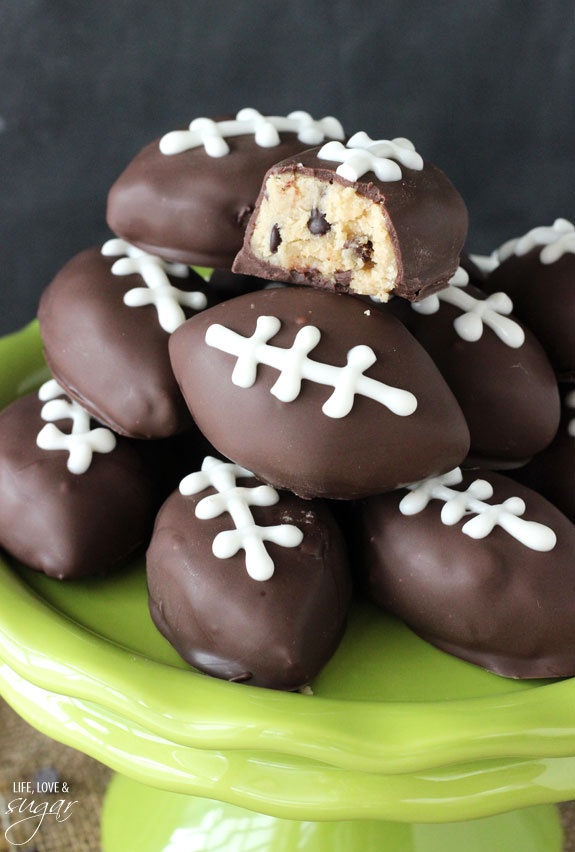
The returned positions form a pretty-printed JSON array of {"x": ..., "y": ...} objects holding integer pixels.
[{"x": 306, "y": 224}]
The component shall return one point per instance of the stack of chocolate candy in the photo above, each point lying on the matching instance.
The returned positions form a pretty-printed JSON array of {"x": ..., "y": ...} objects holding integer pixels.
[{"x": 369, "y": 382}]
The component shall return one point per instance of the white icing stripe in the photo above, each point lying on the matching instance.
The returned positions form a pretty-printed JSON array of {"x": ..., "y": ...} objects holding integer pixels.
[
  {"x": 236, "y": 501},
  {"x": 294, "y": 366},
  {"x": 159, "y": 291},
  {"x": 557, "y": 239},
  {"x": 476, "y": 312},
  {"x": 554, "y": 251},
  {"x": 485, "y": 262},
  {"x": 570, "y": 403},
  {"x": 266, "y": 130},
  {"x": 533, "y": 535},
  {"x": 82, "y": 442},
  {"x": 362, "y": 154}
]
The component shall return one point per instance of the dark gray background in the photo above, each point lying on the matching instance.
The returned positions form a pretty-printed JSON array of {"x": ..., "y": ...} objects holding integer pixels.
[{"x": 485, "y": 89}]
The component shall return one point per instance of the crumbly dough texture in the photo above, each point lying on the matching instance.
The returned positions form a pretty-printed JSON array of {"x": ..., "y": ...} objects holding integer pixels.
[{"x": 306, "y": 223}]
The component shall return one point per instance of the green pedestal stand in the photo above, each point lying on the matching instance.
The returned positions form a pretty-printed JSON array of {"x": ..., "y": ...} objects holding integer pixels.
[{"x": 186, "y": 824}]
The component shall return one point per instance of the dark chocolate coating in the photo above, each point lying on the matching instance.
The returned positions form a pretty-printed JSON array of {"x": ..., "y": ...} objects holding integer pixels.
[
  {"x": 544, "y": 298},
  {"x": 170, "y": 459},
  {"x": 552, "y": 472},
  {"x": 191, "y": 207},
  {"x": 509, "y": 396},
  {"x": 476, "y": 275},
  {"x": 225, "y": 284},
  {"x": 424, "y": 214},
  {"x": 317, "y": 223},
  {"x": 276, "y": 633},
  {"x": 112, "y": 358},
  {"x": 294, "y": 445},
  {"x": 491, "y": 601},
  {"x": 61, "y": 523}
]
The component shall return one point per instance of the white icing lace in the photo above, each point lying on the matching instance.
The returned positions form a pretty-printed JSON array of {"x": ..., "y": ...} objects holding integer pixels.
[
  {"x": 534, "y": 535},
  {"x": 294, "y": 366},
  {"x": 557, "y": 239},
  {"x": 236, "y": 501},
  {"x": 82, "y": 442},
  {"x": 159, "y": 291},
  {"x": 475, "y": 312},
  {"x": 362, "y": 154},
  {"x": 266, "y": 129}
]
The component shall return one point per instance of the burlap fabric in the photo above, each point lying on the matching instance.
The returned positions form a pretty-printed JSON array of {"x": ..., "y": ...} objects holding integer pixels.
[{"x": 24, "y": 752}]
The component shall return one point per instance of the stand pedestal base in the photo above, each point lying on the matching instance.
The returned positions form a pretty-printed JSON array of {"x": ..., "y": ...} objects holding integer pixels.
[{"x": 150, "y": 820}]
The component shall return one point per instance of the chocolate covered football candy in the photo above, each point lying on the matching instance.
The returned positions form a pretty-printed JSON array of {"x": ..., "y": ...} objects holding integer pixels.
[
  {"x": 552, "y": 472},
  {"x": 105, "y": 322},
  {"x": 74, "y": 499},
  {"x": 248, "y": 584},
  {"x": 317, "y": 393},
  {"x": 482, "y": 568},
  {"x": 369, "y": 217},
  {"x": 189, "y": 195},
  {"x": 496, "y": 368},
  {"x": 538, "y": 272}
]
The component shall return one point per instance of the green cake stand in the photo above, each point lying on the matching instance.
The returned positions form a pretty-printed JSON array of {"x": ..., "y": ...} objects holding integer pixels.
[{"x": 397, "y": 748}]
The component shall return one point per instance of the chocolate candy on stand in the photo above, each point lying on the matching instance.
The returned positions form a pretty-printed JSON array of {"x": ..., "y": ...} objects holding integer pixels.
[
  {"x": 293, "y": 395},
  {"x": 189, "y": 195},
  {"x": 480, "y": 566},
  {"x": 318, "y": 394},
  {"x": 247, "y": 583},
  {"x": 495, "y": 366},
  {"x": 368, "y": 217}
]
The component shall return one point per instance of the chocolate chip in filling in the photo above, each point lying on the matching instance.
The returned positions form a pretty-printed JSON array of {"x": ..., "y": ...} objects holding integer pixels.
[
  {"x": 275, "y": 239},
  {"x": 317, "y": 223},
  {"x": 363, "y": 248}
]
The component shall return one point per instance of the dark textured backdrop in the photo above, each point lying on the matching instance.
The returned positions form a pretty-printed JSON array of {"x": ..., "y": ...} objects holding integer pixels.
[{"x": 485, "y": 89}]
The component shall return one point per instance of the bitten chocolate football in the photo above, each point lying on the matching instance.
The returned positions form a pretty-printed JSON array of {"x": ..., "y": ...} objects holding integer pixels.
[
  {"x": 248, "y": 584},
  {"x": 478, "y": 565},
  {"x": 189, "y": 196},
  {"x": 369, "y": 217},
  {"x": 317, "y": 393},
  {"x": 105, "y": 322}
]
